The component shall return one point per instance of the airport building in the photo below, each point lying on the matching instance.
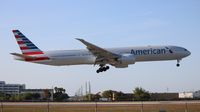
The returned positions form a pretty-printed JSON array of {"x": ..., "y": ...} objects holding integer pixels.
[
  {"x": 195, "y": 95},
  {"x": 15, "y": 89},
  {"x": 11, "y": 88},
  {"x": 164, "y": 96},
  {"x": 186, "y": 95}
]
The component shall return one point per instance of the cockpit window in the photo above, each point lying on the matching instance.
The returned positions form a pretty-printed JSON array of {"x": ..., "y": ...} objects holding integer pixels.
[{"x": 185, "y": 49}]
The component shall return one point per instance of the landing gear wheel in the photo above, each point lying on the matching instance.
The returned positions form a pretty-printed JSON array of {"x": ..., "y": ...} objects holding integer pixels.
[
  {"x": 102, "y": 68},
  {"x": 107, "y": 67},
  {"x": 178, "y": 61}
]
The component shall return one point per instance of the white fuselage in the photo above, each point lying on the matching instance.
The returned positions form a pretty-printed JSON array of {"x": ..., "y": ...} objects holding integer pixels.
[{"x": 148, "y": 53}]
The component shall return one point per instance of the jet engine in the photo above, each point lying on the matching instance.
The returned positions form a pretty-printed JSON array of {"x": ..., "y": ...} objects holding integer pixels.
[{"x": 125, "y": 60}]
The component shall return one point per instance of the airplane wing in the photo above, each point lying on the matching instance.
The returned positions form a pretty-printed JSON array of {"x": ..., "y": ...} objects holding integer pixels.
[{"x": 100, "y": 53}]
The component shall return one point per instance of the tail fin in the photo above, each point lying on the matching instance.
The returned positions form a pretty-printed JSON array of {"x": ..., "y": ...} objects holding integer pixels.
[{"x": 26, "y": 46}]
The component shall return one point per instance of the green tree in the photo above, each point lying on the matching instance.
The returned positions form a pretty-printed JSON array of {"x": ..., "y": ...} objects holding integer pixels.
[
  {"x": 6, "y": 96},
  {"x": 141, "y": 94},
  {"x": 59, "y": 90},
  {"x": 113, "y": 95},
  {"x": 92, "y": 97},
  {"x": 21, "y": 97},
  {"x": 107, "y": 94},
  {"x": 36, "y": 96},
  {"x": 2, "y": 95},
  {"x": 60, "y": 94},
  {"x": 14, "y": 98},
  {"x": 119, "y": 96},
  {"x": 28, "y": 96}
]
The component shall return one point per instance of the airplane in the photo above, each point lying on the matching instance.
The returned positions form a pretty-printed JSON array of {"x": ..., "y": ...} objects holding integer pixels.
[{"x": 95, "y": 55}]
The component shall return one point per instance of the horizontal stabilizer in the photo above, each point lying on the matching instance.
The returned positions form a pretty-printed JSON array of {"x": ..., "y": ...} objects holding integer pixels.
[{"x": 23, "y": 56}]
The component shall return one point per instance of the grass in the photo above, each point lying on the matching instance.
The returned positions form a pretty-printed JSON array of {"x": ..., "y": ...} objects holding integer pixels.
[{"x": 191, "y": 107}]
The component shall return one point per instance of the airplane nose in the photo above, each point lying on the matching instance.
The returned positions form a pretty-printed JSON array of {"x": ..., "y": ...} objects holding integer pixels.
[{"x": 188, "y": 53}]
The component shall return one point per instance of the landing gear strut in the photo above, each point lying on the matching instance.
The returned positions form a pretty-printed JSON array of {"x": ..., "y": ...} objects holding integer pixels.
[
  {"x": 102, "y": 68},
  {"x": 178, "y": 61}
]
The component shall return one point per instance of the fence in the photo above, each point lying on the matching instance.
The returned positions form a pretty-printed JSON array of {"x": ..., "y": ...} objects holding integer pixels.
[{"x": 169, "y": 106}]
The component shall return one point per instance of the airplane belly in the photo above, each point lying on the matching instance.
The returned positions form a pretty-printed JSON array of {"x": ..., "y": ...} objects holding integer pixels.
[
  {"x": 74, "y": 60},
  {"x": 156, "y": 57}
]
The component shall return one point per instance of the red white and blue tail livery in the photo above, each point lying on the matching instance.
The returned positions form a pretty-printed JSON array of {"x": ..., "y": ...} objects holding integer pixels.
[
  {"x": 95, "y": 55},
  {"x": 26, "y": 46},
  {"x": 30, "y": 52}
]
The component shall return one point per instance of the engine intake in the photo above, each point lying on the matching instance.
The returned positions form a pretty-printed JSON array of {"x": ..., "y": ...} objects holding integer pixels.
[{"x": 127, "y": 59}]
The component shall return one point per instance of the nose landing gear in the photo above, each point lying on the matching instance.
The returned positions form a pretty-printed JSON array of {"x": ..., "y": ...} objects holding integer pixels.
[
  {"x": 102, "y": 68},
  {"x": 178, "y": 63}
]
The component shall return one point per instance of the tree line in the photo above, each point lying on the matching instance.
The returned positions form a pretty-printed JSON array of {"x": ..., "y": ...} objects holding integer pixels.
[
  {"x": 139, "y": 94},
  {"x": 58, "y": 95}
]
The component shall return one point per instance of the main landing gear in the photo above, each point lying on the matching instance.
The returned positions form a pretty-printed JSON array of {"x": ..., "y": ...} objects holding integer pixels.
[
  {"x": 178, "y": 63},
  {"x": 102, "y": 68}
]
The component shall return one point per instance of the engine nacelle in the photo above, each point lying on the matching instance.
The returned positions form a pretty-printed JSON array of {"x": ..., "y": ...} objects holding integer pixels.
[{"x": 127, "y": 59}]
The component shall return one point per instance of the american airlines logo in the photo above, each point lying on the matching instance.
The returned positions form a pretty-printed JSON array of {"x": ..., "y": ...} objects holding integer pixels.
[{"x": 148, "y": 51}]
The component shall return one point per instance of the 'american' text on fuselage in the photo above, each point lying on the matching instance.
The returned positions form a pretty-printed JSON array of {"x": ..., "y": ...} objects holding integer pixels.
[{"x": 148, "y": 51}]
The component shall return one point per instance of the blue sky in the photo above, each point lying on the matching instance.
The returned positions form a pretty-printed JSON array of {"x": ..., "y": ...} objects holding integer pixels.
[{"x": 53, "y": 25}]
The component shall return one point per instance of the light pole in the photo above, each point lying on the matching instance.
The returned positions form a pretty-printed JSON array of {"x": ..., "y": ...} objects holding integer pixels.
[
  {"x": 47, "y": 104},
  {"x": 95, "y": 106},
  {"x": 186, "y": 107},
  {"x": 1, "y": 105},
  {"x": 142, "y": 107}
]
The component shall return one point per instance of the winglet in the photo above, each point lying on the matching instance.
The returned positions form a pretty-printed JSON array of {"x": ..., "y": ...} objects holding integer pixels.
[
  {"x": 84, "y": 42},
  {"x": 80, "y": 39}
]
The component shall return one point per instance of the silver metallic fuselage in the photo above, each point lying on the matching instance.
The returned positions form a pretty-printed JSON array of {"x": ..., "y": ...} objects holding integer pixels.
[{"x": 148, "y": 53}]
